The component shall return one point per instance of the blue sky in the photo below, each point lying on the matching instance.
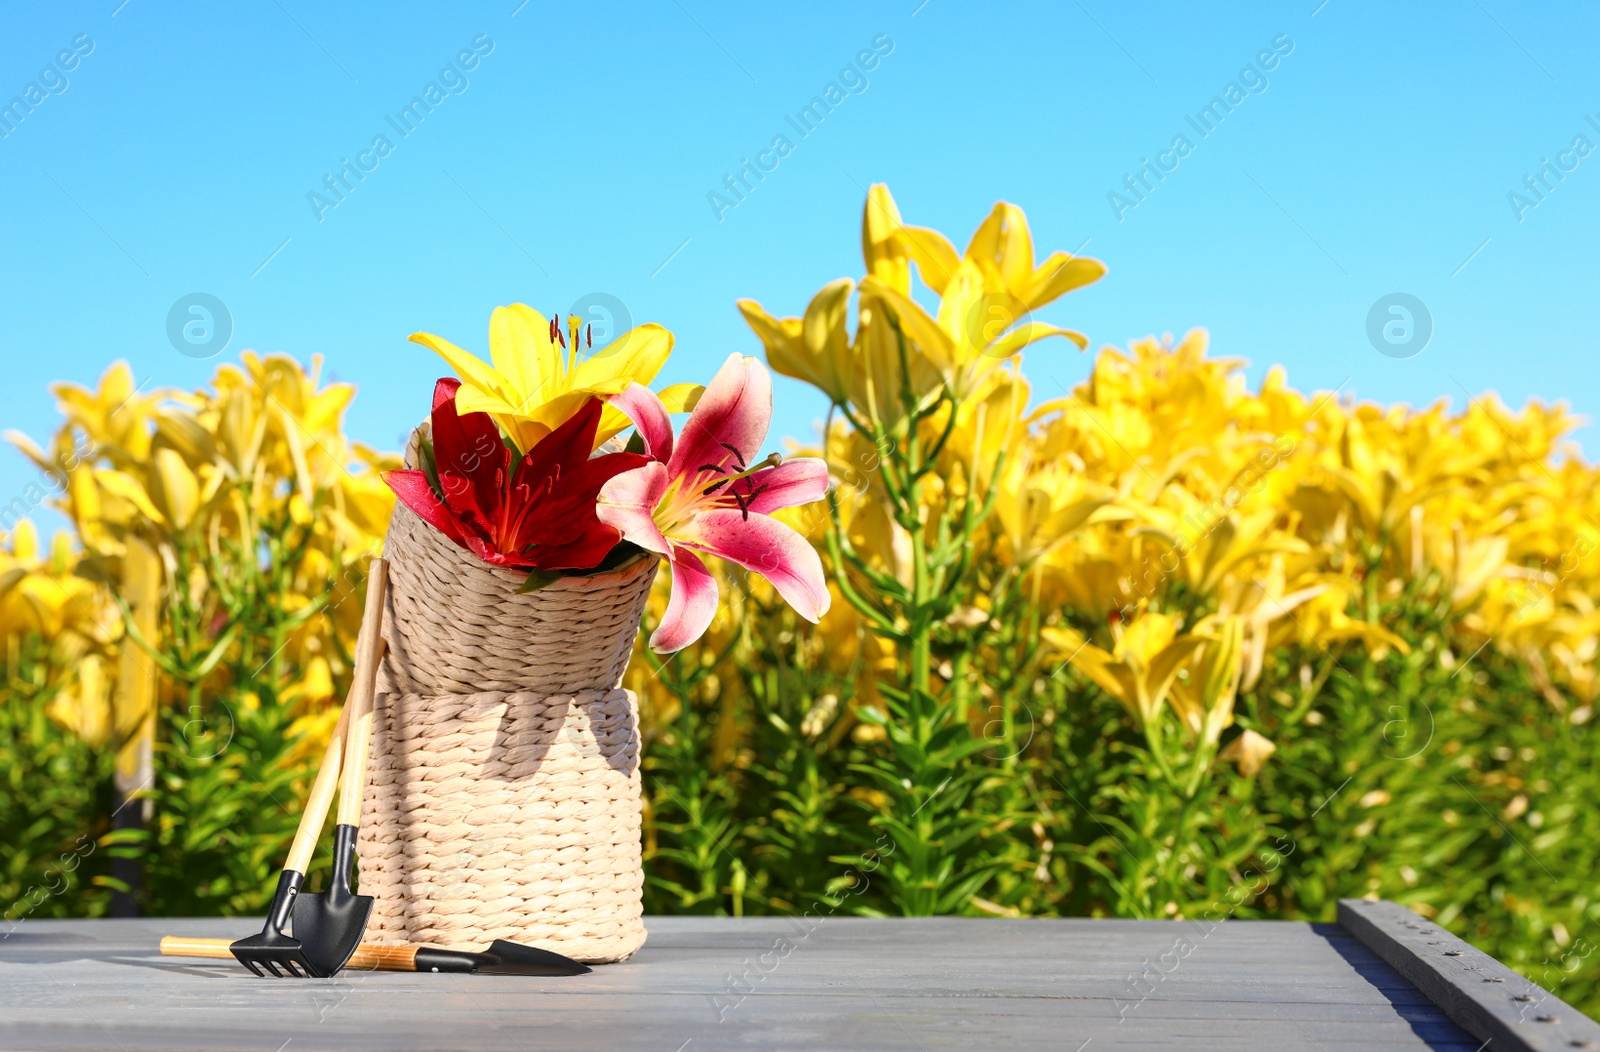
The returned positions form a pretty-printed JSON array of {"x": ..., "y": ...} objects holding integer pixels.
[{"x": 576, "y": 158}]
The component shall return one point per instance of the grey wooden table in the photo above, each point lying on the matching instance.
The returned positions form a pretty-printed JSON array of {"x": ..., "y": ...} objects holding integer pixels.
[{"x": 703, "y": 984}]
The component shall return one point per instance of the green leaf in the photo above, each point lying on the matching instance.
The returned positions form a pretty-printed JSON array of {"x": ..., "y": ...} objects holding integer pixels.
[
  {"x": 429, "y": 467},
  {"x": 538, "y": 579}
]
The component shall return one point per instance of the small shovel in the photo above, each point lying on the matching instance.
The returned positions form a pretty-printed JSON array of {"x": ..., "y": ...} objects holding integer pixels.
[
  {"x": 502, "y": 958},
  {"x": 328, "y": 927}
]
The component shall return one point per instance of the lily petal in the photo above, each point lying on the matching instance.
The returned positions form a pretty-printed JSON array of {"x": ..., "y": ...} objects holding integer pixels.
[
  {"x": 782, "y": 340},
  {"x": 570, "y": 443},
  {"x": 542, "y": 419},
  {"x": 787, "y": 350},
  {"x": 649, "y": 415},
  {"x": 627, "y": 502},
  {"x": 1059, "y": 275},
  {"x": 472, "y": 369},
  {"x": 920, "y": 328},
  {"x": 472, "y": 399},
  {"x": 798, "y": 481},
  {"x": 445, "y": 390},
  {"x": 125, "y": 486},
  {"x": 1027, "y": 333},
  {"x": 636, "y": 355},
  {"x": 581, "y": 553},
  {"x": 692, "y": 606},
  {"x": 681, "y": 398},
  {"x": 962, "y": 311},
  {"x": 735, "y": 411},
  {"x": 463, "y": 444},
  {"x": 612, "y": 423},
  {"x": 1002, "y": 241},
  {"x": 768, "y": 547},
  {"x": 882, "y": 248},
  {"x": 412, "y": 488},
  {"x": 827, "y": 342},
  {"x": 933, "y": 254},
  {"x": 519, "y": 344}
]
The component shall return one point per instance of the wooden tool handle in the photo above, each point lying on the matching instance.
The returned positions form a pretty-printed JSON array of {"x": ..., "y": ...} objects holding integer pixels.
[
  {"x": 384, "y": 958},
  {"x": 369, "y": 652},
  {"x": 178, "y": 946},
  {"x": 321, "y": 798},
  {"x": 366, "y": 957}
]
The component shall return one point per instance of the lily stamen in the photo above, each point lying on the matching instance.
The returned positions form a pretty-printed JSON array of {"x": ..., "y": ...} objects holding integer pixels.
[{"x": 772, "y": 460}]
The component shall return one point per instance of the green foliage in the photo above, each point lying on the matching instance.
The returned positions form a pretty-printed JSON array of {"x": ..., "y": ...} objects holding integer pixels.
[
  {"x": 228, "y": 776},
  {"x": 1447, "y": 785},
  {"x": 226, "y": 806},
  {"x": 54, "y": 806}
]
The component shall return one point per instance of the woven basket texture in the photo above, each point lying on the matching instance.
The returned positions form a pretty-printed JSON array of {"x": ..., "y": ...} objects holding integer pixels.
[
  {"x": 505, "y": 816},
  {"x": 456, "y": 625}
]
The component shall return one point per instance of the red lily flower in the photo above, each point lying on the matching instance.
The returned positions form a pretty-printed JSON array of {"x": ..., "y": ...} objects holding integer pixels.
[{"x": 532, "y": 513}]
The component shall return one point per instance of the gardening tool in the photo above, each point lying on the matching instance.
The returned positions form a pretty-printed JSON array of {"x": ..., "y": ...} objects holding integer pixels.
[
  {"x": 502, "y": 958},
  {"x": 272, "y": 947},
  {"x": 323, "y": 939},
  {"x": 330, "y": 925}
]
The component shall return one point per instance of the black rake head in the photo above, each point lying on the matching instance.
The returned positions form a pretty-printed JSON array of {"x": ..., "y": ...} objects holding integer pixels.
[
  {"x": 276, "y": 954},
  {"x": 271, "y": 950}
]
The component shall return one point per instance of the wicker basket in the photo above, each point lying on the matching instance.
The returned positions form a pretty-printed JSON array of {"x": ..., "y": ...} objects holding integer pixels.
[
  {"x": 503, "y": 798},
  {"x": 456, "y": 625}
]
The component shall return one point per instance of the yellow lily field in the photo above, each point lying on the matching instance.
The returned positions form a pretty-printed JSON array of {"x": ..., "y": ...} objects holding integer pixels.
[{"x": 1159, "y": 645}]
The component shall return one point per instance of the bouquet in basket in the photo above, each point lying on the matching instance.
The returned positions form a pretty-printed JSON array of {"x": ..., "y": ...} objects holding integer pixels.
[
  {"x": 522, "y": 465},
  {"x": 487, "y": 761}
]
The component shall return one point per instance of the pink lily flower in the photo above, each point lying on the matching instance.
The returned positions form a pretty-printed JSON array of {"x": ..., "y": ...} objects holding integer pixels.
[{"x": 701, "y": 493}]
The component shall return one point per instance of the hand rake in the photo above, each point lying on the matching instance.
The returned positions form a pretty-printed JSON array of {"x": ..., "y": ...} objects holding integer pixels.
[
  {"x": 501, "y": 958},
  {"x": 327, "y": 926}
]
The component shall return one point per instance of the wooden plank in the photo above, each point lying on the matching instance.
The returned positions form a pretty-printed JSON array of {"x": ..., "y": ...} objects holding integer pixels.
[
  {"x": 1484, "y": 996},
  {"x": 704, "y": 983}
]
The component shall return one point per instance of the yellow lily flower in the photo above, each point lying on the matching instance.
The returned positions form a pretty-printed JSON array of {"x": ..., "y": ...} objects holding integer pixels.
[
  {"x": 864, "y": 372},
  {"x": 889, "y": 246},
  {"x": 1038, "y": 510},
  {"x": 1140, "y": 671},
  {"x": 985, "y": 296},
  {"x": 1002, "y": 243},
  {"x": 1205, "y": 704},
  {"x": 815, "y": 348},
  {"x": 539, "y": 378},
  {"x": 114, "y": 415},
  {"x": 982, "y": 317},
  {"x": 976, "y": 328}
]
